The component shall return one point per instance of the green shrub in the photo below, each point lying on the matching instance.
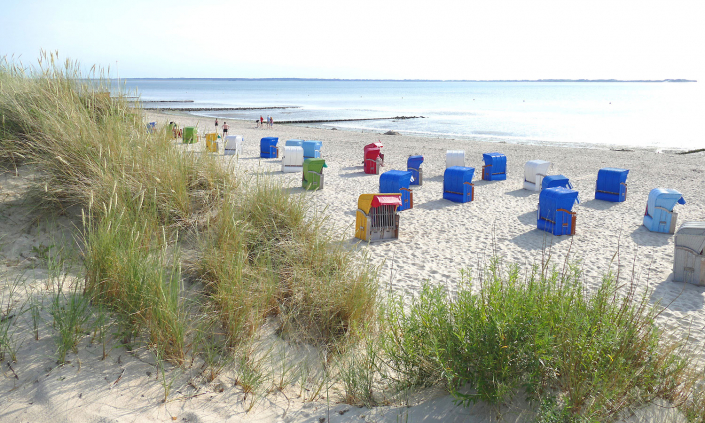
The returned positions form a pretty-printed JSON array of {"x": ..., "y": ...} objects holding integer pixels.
[{"x": 543, "y": 334}]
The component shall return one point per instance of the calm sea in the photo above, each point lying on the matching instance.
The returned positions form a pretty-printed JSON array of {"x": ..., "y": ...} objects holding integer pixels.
[{"x": 659, "y": 115}]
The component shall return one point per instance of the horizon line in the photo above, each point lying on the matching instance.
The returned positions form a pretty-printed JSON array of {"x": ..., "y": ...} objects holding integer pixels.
[{"x": 424, "y": 80}]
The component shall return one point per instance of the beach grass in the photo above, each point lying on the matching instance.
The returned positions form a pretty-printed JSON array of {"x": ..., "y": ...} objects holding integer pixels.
[
  {"x": 142, "y": 200},
  {"x": 192, "y": 258},
  {"x": 586, "y": 356}
]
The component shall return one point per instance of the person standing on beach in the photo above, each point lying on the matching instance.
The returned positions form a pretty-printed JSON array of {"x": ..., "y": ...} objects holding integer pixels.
[
  {"x": 267, "y": 121},
  {"x": 271, "y": 122},
  {"x": 225, "y": 129},
  {"x": 216, "y": 125},
  {"x": 261, "y": 121}
]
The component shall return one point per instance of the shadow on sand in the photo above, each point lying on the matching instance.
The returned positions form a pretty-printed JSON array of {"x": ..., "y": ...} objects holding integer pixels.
[
  {"x": 645, "y": 238},
  {"x": 528, "y": 218},
  {"x": 598, "y": 204},
  {"x": 436, "y": 204},
  {"x": 521, "y": 193},
  {"x": 539, "y": 240}
]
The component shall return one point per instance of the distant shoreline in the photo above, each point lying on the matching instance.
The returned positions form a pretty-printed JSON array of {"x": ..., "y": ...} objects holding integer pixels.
[{"x": 413, "y": 80}]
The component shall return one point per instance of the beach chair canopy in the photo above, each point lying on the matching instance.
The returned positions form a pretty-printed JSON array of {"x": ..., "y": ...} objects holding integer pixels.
[
  {"x": 414, "y": 162},
  {"x": 294, "y": 143},
  {"x": 314, "y": 165},
  {"x": 293, "y": 158},
  {"x": 692, "y": 236},
  {"x": 662, "y": 197},
  {"x": 267, "y": 142},
  {"x": 553, "y": 199},
  {"x": 553, "y": 181},
  {"x": 372, "y": 153},
  {"x": 367, "y": 201}
]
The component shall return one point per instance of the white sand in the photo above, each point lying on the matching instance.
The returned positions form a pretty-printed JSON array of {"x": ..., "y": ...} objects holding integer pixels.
[{"x": 437, "y": 239}]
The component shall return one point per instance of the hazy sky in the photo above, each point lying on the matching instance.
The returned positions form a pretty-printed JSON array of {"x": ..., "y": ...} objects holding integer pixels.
[{"x": 492, "y": 39}]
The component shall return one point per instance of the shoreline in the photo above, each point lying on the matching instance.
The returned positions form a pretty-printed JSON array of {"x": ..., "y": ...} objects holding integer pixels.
[{"x": 450, "y": 136}]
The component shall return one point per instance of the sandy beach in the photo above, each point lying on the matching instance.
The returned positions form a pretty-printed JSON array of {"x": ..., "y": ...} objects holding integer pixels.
[{"x": 437, "y": 239}]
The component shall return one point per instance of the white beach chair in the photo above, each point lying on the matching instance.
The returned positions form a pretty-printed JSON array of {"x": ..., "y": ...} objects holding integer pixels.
[
  {"x": 233, "y": 145},
  {"x": 689, "y": 254},
  {"x": 293, "y": 159},
  {"x": 534, "y": 172},
  {"x": 455, "y": 158}
]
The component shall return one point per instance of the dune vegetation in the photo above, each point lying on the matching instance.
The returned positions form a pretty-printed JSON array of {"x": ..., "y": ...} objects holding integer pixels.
[{"x": 191, "y": 258}]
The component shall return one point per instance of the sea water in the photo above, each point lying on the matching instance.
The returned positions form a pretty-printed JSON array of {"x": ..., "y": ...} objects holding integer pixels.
[{"x": 653, "y": 114}]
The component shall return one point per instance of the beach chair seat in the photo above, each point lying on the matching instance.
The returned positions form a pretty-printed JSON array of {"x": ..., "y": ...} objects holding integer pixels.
[
  {"x": 398, "y": 181},
  {"x": 555, "y": 211},
  {"x": 659, "y": 215},
  {"x": 377, "y": 218},
  {"x": 689, "y": 253},
  {"x": 457, "y": 184},
  {"x": 413, "y": 165},
  {"x": 495, "y": 168},
  {"x": 611, "y": 184}
]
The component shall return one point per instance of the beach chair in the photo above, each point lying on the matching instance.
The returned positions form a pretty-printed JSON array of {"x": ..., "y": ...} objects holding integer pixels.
[
  {"x": 457, "y": 184},
  {"x": 373, "y": 145},
  {"x": 413, "y": 165},
  {"x": 534, "y": 172},
  {"x": 190, "y": 135},
  {"x": 455, "y": 158},
  {"x": 312, "y": 149},
  {"x": 174, "y": 129},
  {"x": 268, "y": 148},
  {"x": 611, "y": 184},
  {"x": 495, "y": 168},
  {"x": 659, "y": 215},
  {"x": 555, "y": 212},
  {"x": 312, "y": 174},
  {"x": 374, "y": 159},
  {"x": 294, "y": 143},
  {"x": 398, "y": 181},
  {"x": 233, "y": 145},
  {"x": 377, "y": 218},
  {"x": 152, "y": 127},
  {"x": 293, "y": 159},
  {"x": 689, "y": 253},
  {"x": 212, "y": 142}
]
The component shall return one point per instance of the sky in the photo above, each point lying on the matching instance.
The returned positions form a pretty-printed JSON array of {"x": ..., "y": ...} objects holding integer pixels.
[{"x": 497, "y": 39}]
